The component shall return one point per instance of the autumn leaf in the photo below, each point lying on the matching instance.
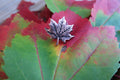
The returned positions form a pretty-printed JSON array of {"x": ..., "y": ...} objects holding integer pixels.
[
  {"x": 5, "y": 38},
  {"x": 3, "y": 30},
  {"x": 108, "y": 8},
  {"x": 37, "y": 16},
  {"x": 62, "y": 5},
  {"x": 26, "y": 13},
  {"x": 30, "y": 59},
  {"x": 7, "y": 32},
  {"x": 38, "y": 30},
  {"x": 34, "y": 56},
  {"x": 96, "y": 54},
  {"x": 108, "y": 14},
  {"x": 81, "y": 26},
  {"x": 33, "y": 30}
]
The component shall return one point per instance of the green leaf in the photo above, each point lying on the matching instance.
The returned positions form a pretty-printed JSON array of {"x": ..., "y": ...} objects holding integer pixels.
[
  {"x": 106, "y": 20},
  {"x": 83, "y": 12},
  {"x": 56, "y": 6},
  {"x": 60, "y": 5},
  {"x": 22, "y": 62},
  {"x": 93, "y": 57}
]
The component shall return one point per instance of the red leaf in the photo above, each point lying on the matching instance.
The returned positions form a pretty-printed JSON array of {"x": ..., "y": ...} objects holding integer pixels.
[
  {"x": 81, "y": 26},
  {"x": 3, "y": 36},
  {"x": 36, "y": 30},
  {"x": 26, "y": 13},
  {"x": 6, "y": 34},
  {"x": 82, "y": 3}
]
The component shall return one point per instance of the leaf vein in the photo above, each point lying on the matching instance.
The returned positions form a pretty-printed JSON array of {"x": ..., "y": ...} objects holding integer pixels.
[{"x": 88, "y": 58}]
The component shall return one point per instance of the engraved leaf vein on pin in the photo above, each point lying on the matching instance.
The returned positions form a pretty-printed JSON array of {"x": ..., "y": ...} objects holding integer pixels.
[{"x": 60, "y": 31}]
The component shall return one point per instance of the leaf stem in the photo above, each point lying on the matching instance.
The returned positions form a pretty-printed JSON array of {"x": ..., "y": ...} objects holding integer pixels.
[
  {"x": 57, "y": 64},
  {"x": 39, "y": 60}
]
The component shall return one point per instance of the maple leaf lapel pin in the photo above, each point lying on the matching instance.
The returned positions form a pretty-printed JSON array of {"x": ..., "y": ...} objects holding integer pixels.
[{"x": 60, "y": 31}]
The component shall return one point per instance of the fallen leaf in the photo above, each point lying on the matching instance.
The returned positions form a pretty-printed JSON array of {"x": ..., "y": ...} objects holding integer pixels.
[
  {"x": 26, "y": 13},
  {"x": 107, "y": 15},
  {"x": 29, "y": 59},
  {"x": 62, "y": 5},
  {"x": 95, "y": 55},
  {"x": 81, "y": 26}
]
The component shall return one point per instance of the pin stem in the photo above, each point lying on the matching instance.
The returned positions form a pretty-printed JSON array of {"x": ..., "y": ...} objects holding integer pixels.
[{"x": 57, "y": 41}]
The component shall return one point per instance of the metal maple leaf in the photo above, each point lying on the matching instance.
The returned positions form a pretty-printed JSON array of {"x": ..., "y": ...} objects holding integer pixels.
[{"x": 60, "y": 31}]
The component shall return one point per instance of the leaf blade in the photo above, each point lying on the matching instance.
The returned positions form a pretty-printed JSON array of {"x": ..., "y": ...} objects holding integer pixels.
[
  {"x": 106, "y": 15},
  {"x": 20, "y": 59},
  {"x": 62, "y": 5},
  {"x": 91, "y": 59},
  {"x": 25, "y": 57}
]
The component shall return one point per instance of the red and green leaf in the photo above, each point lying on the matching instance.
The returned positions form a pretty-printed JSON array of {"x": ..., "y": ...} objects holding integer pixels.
[
  {"x": 108, "y": 14},
  {"x": 92, "y": 57},
  {"x": 81, "y": 26},
  {"x": 26, "y": 13},
  {"x": 29, "y": 59},
  {"x": 93, "y": 52},
  {"x": 7, "y": 33},
  {"x": 62, "y": 5}
]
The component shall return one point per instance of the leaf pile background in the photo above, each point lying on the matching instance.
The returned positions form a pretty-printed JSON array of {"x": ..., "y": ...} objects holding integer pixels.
[{"x": 28, "y": 53}]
